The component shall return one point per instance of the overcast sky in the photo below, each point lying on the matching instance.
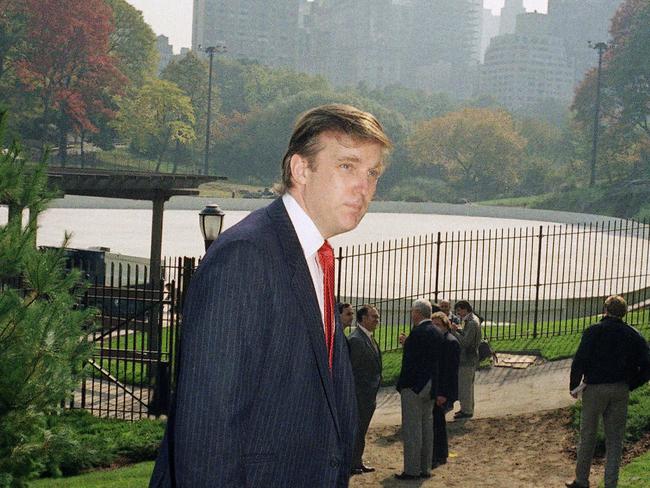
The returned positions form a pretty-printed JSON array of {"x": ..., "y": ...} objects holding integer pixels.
[{"x": 173, "y": 18}]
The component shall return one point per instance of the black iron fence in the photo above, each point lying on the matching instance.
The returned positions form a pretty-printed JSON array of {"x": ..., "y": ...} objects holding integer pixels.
[
  {"x": 524, "y": 283},
  {"x": 528, "y": 282}
]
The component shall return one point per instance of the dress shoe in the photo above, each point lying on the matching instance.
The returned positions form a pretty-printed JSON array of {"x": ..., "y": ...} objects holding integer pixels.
[
  {"x": 405, "y": 476},
  {"x": 463, "y": 415},
  {"x": 425, "y": 475},
  {"x": 367, "y": 469},
  {"x": 355, "y": 471},
  {"x": 575, "y": 484}
]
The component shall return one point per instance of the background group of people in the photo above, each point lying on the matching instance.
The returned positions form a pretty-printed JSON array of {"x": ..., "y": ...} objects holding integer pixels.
[{"x": 439, "y": 362}]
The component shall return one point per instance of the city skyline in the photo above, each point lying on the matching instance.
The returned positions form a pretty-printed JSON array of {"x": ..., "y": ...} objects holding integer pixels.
[{"x": 173, "y": 18}]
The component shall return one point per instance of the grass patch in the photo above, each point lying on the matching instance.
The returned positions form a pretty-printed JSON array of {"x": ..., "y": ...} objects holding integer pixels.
[
  {"x": 135, "y": 476},
  {"x": 636, "y": 474}
]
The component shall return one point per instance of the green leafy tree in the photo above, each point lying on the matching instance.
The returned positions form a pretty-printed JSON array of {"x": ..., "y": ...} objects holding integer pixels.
[
  {"x": 157, "y": 116},
  {"x": 190, "y": 73},
  {"x": 252, "y": 150},
  {"x": 624, "y": 146},
  {"x": 265, "y": 85},
  {"x": 132, "y": 42},
  {"x": 478, "y": 149},
  {"x": 42, "y": 331}
]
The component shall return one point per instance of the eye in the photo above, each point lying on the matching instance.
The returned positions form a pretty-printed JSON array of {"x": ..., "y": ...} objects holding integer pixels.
[{"x": 345, "y": 166}]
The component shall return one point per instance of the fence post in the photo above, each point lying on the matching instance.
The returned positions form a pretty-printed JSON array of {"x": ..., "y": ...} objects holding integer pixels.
[
  {"x": 435, "y": 290},
  {"x": 338, "y": 283},
  {"x": 537, "y": 282}
]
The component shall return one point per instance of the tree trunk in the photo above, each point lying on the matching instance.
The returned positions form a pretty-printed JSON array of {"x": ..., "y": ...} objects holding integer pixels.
[
  {"x": 63, "y": 144},
  {"x": 82, "y": 153}
]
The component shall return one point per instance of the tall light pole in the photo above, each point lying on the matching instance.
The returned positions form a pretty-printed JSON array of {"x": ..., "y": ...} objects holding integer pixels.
[
  {"x": 210, "y": 50},
  {"x": 601, "y": 47}
]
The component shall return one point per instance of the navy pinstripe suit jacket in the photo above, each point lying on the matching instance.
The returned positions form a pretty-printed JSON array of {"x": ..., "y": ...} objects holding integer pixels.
[{"x": 256, "y": 404}]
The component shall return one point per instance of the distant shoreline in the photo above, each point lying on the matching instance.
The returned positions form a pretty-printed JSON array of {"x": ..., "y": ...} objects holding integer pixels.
[{"x": 244, "y": 204}]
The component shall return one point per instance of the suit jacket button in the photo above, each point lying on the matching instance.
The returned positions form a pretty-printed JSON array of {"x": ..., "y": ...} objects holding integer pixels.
[{"x": 334, "y": 463}]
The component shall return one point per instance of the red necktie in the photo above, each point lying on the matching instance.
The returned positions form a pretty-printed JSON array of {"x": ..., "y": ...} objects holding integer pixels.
[{"x": 326, "y": 259}]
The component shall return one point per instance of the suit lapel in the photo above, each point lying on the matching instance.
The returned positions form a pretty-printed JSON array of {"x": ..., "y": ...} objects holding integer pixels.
[
  {"x": 303, "y": 290},
  {"x": 371, "y": 344}
]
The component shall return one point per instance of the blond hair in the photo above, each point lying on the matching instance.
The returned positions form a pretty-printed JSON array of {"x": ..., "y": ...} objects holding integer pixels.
[{"x": 338, "y": 118}]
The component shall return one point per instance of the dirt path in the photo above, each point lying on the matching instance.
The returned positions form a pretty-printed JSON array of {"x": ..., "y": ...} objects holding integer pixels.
[{"x": 520, "y": 436}]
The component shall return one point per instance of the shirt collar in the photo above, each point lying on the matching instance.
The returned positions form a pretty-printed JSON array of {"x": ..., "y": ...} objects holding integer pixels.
[
  {"x": 364, "y": 330},
  {"x": 310, "y": 238}
]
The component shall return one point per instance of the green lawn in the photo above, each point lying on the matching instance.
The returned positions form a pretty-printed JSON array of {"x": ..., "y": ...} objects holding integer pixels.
[
  {"x": 636, "y": 474},
  {"x": 134, "y": 476}
]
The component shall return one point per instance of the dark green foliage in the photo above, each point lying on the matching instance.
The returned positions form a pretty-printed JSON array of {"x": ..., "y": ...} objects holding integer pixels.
[
  {"x": 42, "y": 345},
  {"x": 87, "y": 442}
]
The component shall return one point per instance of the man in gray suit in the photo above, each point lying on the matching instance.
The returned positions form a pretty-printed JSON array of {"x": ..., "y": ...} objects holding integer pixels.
[
  {"x": 365, "y": 357},
  {"x": 469, "y": 337}
]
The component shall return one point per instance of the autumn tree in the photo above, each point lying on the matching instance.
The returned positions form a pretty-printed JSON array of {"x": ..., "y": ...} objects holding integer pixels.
[
  {"x": 624, "y": 145},
  {"x": 478, "y": 150},
  {"x": 68, "y": 65},
  {"x": 158, "y": 115}
]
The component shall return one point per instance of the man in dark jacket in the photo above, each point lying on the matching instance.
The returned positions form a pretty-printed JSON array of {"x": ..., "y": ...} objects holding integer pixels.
[
  {"x": 612, "y": 360},
  {"x": 417, "y": 379},
  {"x": 447, "y": 387},
  {"x": 365, "y": 357}
]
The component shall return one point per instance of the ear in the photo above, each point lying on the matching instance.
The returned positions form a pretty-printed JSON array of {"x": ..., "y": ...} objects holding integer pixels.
[{"x": 299, "y": 166}]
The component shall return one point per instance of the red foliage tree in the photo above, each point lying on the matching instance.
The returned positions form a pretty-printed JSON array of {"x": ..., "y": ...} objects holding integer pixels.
[{"x": 68, "y": 65}]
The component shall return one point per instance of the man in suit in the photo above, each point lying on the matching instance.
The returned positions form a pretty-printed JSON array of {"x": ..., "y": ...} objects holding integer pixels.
[
  {"x": 265, "y": 395},
  {"x": 417, "y": 380},
  {"x": 611, "y": 360},
  {"x": 447, "y": 387},
  {"x": 346, "y": 313},
  {"x": 365, "y": 357},
  {"x": 469, "y": 337}
]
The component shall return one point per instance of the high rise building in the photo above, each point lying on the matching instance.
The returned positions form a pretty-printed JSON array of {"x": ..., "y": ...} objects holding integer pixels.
[
  {"x": 528, "y": 67},
  {"x": 489, "y": 29},
  {"x": 509, "y": 12},
  {"x": 578, "y": 22},
  {"x": 250, "y": 29},
  {"x": 165, "y": 52}
]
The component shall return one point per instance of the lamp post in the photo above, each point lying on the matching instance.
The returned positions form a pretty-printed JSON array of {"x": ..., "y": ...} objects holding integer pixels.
[
  {"x": 210, "y": 50},
  {"x": 211, "y": 222},
  {"x": 601, "y": 47}
]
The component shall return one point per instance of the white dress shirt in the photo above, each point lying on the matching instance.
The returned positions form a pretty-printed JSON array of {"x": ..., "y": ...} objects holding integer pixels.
[{"x": 311, "y": 241}]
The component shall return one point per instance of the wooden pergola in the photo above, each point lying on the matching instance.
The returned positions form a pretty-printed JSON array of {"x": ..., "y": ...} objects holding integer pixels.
[{"x": 131, "y": 185}]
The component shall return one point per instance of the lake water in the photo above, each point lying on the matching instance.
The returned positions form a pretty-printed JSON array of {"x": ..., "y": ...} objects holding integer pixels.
[{"x": 128, "y": 231}]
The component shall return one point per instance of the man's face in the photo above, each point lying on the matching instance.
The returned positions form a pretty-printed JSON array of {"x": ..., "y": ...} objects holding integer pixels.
[
  {"x": 347, "y": 315},
  {"x": 370, "y": 320},
  {"x": 461, "y": 312},
  {"x": 445, "y": 307},
  {"x": 336, "y": 189}
]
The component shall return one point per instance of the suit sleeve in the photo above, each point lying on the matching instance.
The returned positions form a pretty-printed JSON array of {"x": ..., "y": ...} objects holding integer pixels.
[
  {"x": 223, "y": 321},
  {"x": 580, "y": 359},
  {"x": 470, "y": 336},
  {"x": 356, "y": 353}
]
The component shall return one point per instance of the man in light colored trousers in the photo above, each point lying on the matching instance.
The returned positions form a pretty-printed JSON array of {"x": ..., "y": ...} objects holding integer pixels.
[
  {"x": 469, "y": 337},
  {"x": 418, "y": 384},
  {"x": 612, "y": 360}
]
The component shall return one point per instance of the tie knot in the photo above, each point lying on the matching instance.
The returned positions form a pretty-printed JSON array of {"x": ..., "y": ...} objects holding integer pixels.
[{"x": 326, "y": 254}]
